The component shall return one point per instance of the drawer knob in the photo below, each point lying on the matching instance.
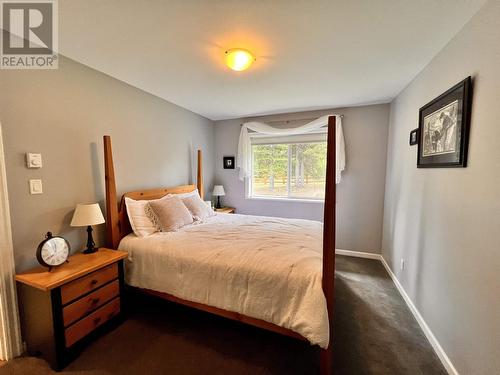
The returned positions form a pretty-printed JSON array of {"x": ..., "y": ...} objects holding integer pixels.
[
  {"x": 93, "y": 282},
  {"x": 97, "y": 320},
  {"x": 94, "y": 301}
]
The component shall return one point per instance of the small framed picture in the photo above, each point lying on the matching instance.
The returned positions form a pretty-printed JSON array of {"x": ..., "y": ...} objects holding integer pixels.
[
  {"x": 228, "y": 162},
  {"x": 414, "y": 137},
  {"x": 444, "y": 128}
]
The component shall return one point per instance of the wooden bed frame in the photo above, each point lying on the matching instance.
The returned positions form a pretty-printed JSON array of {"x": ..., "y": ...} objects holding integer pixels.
[{"x": 118, "y": 226}]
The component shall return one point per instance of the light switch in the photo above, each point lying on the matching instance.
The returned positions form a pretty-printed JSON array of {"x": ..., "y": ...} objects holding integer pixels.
[
  {"x": 33, "y": 160},
  {"x": 36, "y": 187}
]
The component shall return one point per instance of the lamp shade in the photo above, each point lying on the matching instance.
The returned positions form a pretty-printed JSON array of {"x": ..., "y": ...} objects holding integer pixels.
[
  {"x": 219, "y": 190},
  {"x": 87, "y": 214}
]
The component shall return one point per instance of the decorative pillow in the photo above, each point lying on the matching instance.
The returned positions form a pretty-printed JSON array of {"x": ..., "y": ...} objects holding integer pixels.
[
  {"x": 199, "y": 209},
  {"x": 140, "y": 222},
  {"x": 170, "y": 214}
]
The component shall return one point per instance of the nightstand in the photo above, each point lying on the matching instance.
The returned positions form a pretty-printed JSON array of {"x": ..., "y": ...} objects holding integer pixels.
[
  {"x": 64, "y": 309},
  {"x": 226, "y": 210}
]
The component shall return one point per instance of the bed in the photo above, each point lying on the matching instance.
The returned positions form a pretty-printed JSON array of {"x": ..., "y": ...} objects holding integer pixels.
[
  {"x": 276, "y": 274},
  {"x": 235, "y": 272}
]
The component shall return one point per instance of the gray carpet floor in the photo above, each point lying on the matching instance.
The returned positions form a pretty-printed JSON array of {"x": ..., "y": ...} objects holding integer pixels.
[{"x": 375, "y": 333}]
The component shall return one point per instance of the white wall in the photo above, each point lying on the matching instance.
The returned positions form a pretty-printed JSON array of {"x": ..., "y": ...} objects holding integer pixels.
[
  {"x": 63, "y": 114},
  {"x": 360, "y": 194},
  {"x": 445, "y": 222}
]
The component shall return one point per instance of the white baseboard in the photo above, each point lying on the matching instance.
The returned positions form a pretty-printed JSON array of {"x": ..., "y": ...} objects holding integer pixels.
[
  {"x": 423, "y": 325},
  {"x": 358, "y": 254},
  {"x": 425, "y": 328}
]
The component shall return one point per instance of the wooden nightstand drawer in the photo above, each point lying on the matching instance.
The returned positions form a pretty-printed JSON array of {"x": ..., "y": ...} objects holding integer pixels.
[
  {"x": 83, "y": 285},
  {"x": 83, "y": 306},
  {"x": 82, "y": 328},
  {"x": 64, "y": 309}
]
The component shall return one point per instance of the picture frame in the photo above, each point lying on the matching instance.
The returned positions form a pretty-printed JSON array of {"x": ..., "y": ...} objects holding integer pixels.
[
  {"x": 443, "y": 128},
  {"x": 413, "y": 137},
  {"x": 228, "y": 162}
]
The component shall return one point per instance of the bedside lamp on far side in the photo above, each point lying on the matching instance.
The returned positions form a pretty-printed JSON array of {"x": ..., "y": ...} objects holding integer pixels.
[
  {"x": 218, "y": 192},
  {"x": 86, "y": 215}
]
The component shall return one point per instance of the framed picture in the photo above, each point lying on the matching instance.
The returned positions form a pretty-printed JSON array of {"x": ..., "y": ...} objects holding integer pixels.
[
  {"x": 443, "y": 128},
  {"x": 414, "y": 137},
  {"x": 228, "y": 162}
]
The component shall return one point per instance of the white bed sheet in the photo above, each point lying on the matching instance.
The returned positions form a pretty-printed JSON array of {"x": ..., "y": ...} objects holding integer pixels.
[{"x": 262, "y": 267}]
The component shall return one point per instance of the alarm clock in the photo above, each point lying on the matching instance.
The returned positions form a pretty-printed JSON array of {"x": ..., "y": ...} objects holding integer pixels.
[{"x": 53, "y": 251}]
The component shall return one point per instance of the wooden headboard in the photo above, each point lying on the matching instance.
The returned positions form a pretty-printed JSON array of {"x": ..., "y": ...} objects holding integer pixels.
[{"x": 117, "y": 223}]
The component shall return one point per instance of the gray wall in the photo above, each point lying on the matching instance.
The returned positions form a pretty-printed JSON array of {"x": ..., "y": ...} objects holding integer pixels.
[
  {"x": 63, "y": 114},
  {"x": 445, "y": 222},
  {"x": 360, "y": 194}
]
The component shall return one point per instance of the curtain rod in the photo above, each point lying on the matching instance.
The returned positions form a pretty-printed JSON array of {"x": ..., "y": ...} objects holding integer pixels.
[{"x": 288, "y": 121}]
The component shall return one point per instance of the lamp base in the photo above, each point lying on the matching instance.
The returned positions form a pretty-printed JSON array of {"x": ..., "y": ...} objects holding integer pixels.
[
  {"x": 90, "y": 242},
  {"x": 218, "y": 205}
]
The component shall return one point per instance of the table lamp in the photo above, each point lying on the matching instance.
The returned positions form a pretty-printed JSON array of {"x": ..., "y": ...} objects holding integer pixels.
[
  {"x": 218, "y": 192},
  {"x": 88, "y": 215}
]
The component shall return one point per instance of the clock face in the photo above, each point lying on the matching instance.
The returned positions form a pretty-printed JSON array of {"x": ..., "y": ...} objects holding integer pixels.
[{"x": 55, "y": 251}]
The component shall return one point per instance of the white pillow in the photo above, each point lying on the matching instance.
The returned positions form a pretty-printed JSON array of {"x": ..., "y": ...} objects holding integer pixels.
[
  {"x": 140, "y": 222},
  {"x": 186, "y": 195}
]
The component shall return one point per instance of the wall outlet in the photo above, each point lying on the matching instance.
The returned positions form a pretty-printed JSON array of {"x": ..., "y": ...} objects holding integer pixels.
[{"x": 402, "y": 264}]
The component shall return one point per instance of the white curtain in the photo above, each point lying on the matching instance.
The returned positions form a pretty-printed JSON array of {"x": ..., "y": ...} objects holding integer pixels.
[{"x": 243, "y": 161}]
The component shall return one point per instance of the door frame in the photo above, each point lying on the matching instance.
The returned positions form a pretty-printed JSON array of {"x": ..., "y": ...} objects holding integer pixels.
[{"x": 10, "y": 333}]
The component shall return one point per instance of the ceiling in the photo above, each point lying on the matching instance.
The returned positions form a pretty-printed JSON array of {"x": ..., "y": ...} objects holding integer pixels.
[{"x": 311, "y": 54}]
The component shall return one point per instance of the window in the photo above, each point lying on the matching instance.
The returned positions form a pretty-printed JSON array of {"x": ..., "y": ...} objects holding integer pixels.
[{"x": 288, "y": 167}]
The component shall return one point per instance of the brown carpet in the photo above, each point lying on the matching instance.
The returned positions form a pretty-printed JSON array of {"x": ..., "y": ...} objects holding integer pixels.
[{"x": 375, "y": 334}]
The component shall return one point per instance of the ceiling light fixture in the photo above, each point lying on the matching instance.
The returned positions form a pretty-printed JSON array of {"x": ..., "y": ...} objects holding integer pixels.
[{"x": 239, "y": 59}]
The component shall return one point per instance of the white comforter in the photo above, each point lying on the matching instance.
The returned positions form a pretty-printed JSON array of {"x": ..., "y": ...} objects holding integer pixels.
[{"x": 262, "y": 267}]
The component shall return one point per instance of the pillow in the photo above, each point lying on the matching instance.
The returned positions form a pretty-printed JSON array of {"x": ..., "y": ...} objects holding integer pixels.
[
  {"x": 170, "y": 214},
  {"x": 141, "y": 224},
  {"x": 199, "y": 209},
  {"x": 185, "y": 195}
]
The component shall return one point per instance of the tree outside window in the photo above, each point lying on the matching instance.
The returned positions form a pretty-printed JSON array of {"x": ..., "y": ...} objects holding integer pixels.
[{"x": 289, "y": 170}]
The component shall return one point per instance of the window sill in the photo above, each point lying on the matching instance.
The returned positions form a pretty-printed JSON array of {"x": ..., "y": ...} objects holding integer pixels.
[{"x": 288, "y": 200}]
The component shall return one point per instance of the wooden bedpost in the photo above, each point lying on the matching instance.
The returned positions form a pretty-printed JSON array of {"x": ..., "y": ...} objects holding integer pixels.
[
  {"x": 199, "y": 176},
  {"x": 112, "y": 218},
  {"x": 329, "y": 241}
]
